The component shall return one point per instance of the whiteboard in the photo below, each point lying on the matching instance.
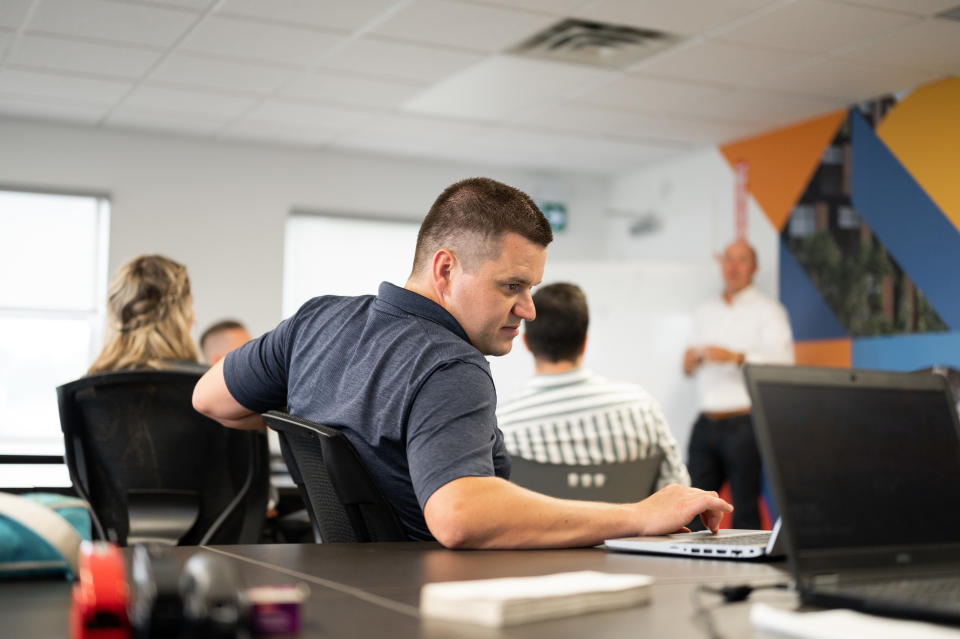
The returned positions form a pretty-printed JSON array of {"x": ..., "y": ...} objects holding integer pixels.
[{"x": 641, "y": 318}]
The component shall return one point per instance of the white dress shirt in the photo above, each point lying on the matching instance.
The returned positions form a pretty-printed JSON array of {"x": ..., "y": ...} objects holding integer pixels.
[
  {"x": 752, "y": 324},
  {"x": 583, "y": 419}
]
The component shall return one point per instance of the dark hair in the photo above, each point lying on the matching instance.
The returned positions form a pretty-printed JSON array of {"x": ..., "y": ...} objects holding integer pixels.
[
  {"x": 222, "y": 325},
  {"x": 481, "y": 207},
  {"x": 560, "y": 329}
]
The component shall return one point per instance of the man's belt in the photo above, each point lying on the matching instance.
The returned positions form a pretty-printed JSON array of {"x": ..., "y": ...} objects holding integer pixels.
[{"x": 726, "y": 414}]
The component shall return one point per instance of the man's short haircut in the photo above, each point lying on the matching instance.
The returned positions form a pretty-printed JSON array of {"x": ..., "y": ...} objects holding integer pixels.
[
  {"x": 469, "y": 216},
  {"x": 222, "y": 325},
  {"x": 560, "y": 328}
]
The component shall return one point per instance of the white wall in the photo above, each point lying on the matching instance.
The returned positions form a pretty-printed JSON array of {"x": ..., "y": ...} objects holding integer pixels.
[
  {"x": 220, "y": 208},
  {"x": 693, "y": 197}
]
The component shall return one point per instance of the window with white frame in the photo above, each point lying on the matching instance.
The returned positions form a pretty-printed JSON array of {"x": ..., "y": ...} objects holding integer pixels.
[
  {"x": 327, "y": 254},
  {"x": 53, "y": 263}
]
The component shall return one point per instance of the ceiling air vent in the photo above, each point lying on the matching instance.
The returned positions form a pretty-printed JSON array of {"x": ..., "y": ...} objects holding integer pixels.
[{"x": 594, "y": 43}]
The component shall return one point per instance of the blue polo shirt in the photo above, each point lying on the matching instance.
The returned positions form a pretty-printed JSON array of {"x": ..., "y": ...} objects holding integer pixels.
[{"x": 397, "y": 374}]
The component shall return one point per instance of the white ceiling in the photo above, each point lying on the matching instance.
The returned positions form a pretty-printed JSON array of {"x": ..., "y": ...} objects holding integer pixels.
[{"x": 429, "y": 77}]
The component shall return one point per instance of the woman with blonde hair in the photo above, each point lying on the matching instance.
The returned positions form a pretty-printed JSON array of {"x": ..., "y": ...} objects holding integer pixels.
[{"x": 150, "y": 312}]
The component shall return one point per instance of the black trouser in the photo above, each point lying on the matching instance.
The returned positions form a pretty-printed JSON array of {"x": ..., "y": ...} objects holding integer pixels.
[{"x": 722, "y": 449}]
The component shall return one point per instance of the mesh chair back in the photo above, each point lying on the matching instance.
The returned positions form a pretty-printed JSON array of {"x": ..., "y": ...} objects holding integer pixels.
[
  {"x": 153, "y": 469},
  {"x": 618, "y": 482},
  {"x": 344, "y": 501}
]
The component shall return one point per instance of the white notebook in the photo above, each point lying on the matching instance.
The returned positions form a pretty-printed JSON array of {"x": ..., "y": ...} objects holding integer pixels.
[{"x": 513, "y": 600}]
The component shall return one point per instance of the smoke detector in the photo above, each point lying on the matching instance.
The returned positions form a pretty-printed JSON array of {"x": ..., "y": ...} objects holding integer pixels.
[{"x": 594, "y": 43}]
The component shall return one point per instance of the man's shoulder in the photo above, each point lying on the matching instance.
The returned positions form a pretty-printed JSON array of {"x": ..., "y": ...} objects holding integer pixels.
[{"x": 757, "y": 298}]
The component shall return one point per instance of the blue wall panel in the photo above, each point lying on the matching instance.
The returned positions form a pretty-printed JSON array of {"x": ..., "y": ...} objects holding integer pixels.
[
  {"x": 907, "y": 352},
  {"x": 904, "y": 218},
  {"x": 810, "y": 317}
]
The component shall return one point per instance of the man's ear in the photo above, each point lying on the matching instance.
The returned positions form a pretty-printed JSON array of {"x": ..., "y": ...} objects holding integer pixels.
[{"x": 442, "y": 271}]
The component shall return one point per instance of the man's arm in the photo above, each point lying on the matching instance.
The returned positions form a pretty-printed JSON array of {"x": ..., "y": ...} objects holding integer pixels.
[
  {"x": 489, "y": 512},
  {"x": 212, "y": 398}
]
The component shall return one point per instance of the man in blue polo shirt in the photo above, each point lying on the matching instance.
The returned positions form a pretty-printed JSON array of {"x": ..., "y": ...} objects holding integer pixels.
[{"x": 403, "y": 374}]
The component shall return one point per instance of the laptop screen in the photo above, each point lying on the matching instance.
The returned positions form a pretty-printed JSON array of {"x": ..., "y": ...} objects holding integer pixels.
[{"x": 863, "y": 465}]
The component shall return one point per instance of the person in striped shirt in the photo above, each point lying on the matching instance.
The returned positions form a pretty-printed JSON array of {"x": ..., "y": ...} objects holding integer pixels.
[{"x": 566, "y": 414}]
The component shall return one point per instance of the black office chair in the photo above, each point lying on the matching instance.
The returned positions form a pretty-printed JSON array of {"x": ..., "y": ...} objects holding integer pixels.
[
  {"x": 344, "y": 502},
  {"x": 153, "y": 469},
  {"x": 617, "y": 482}
]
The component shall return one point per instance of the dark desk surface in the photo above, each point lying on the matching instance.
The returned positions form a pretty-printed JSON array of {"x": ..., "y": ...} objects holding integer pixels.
[{"x": 373, "y": 590}]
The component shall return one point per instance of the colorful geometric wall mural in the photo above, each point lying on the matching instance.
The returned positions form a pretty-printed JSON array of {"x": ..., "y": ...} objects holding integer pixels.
[{"x": 868, "y": 205}]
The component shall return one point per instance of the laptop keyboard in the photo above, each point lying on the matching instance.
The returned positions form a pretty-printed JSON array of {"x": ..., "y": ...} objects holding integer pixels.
[{"x": 755, "y": 539}]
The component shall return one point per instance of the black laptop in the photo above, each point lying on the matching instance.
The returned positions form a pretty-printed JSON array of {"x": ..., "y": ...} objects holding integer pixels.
[{"x": 865, "y": 470}]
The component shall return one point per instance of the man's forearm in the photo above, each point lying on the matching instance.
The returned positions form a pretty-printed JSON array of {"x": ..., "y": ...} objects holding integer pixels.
[
  {"x": 488, "y": 512},
  {"x": 212, "y": 398}
]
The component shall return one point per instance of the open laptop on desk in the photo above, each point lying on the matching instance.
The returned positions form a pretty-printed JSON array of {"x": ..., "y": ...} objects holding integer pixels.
[
  {"x": 865, "y": 469},
  {"x": 730, "y": 543}
]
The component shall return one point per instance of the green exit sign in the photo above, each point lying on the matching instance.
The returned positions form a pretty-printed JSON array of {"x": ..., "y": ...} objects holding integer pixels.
[{"x": 556, "y": 214}]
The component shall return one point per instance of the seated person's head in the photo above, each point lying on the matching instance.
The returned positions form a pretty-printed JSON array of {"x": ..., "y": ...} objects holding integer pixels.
[
  {"x": 559, "y": 333},
  {"x": 221, "y": 338},
  {"x": 479, "y": 250},
  {"x": 149, "y": 315}
]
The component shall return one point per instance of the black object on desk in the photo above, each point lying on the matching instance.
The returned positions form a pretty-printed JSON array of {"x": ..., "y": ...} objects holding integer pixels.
[{"x": 153, "y": 469}]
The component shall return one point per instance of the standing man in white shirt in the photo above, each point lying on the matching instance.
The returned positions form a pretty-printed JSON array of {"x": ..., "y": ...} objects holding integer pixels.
[{"x": 743, "y": 325}]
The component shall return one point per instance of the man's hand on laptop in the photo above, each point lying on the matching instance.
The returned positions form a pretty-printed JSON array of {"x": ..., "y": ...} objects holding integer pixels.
[{"x": 667, "y": 510}]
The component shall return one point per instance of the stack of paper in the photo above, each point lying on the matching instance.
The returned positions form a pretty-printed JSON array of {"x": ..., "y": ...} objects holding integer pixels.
[
  {"x": 842, "y": 624},
  {"x": 504, "y": 602}
]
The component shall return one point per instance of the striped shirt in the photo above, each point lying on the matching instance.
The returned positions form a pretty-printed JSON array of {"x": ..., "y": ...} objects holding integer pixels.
[{"x": 582, "y": 419}]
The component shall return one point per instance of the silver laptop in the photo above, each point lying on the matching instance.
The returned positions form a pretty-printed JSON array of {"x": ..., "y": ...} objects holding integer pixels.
[
  {"x": 865, "y": 470},
  {"x": 729, "y": 543}
]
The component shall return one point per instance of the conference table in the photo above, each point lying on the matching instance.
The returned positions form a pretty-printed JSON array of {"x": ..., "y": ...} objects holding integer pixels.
[{"x": 373, "y": 590}]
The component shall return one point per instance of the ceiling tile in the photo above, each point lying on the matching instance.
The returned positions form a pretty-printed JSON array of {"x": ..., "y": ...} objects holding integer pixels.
[
  {"x": 918, "y": 7},
  {"x": 847, "y": 80},
  {"x": 673, "y": 16},
  {"x": 12, "y": 13},
  {"x": 251, "y": 40},
  {"x": 128, "y": 116},
  {"x": 553, "y": 7},
  {"x": 350, "y": 89},
  {"x": 194, "y": 70},
  {"x": 114, "y": 21},
  {"x": 720, "y": 63},
  {"x": 502, "y": 85},
  {"x": 48, "y": 85},
  {"x": 194, "y": 5},
  {"x": 649, "y": 128},
  {"x": 389, "y": 59},
  {"x": 288, "y": 112},
  {"x": 86, "y": 57},
  {"x": 532, "y": 149},
  {"x": 469, "y": 26},
  {"x": 815, "y": 26},
  {"x": 6, "y": 39},
  {"x": 760, "y": 109},
  {"x": 185, "y": 101},
  {"x": 933, "y": 44},
  {"x": 405, "y": 134},
  {"x": 51, "y": 109},
  {"x": 278, "y": 133},
  {"x": 343, "y": 16},
  {"x": 645, "y": 94}
]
